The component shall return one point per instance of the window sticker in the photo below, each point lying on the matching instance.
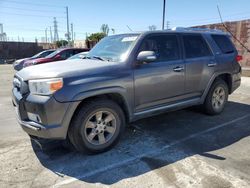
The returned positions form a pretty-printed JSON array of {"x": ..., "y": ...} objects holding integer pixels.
[{"x": 129, "y": 39}]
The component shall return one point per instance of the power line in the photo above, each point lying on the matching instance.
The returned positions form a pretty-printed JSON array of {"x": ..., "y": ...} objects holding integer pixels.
[
  {"x": 40, "y": 16},
  {"x": 230, "y": 31},
  {"x": 214, "y": 18},
  {"x": 34, "y": 4},
  {"x": 31, "y": 10}
]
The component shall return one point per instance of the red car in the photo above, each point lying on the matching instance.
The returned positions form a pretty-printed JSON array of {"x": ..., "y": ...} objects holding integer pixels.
[{"x": 58, "y": 55}]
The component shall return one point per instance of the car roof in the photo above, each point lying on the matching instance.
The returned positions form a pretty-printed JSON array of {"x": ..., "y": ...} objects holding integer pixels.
[{"x": 181, "y": 31}]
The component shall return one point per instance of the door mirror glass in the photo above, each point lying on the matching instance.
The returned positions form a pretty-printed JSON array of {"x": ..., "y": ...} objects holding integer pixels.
[
  {"x": 58, "y": 57},
  {"x": 146, "y": 56}
]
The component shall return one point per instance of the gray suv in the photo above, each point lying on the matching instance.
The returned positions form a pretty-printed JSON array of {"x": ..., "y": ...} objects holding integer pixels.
[{"x": 122, "y": 79}]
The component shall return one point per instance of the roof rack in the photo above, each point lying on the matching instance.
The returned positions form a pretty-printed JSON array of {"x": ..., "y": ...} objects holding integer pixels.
[{"x": 197, "y": 29}]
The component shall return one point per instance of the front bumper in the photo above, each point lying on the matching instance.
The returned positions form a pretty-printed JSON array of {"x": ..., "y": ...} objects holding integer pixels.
[{"x": 54, "y": 116}]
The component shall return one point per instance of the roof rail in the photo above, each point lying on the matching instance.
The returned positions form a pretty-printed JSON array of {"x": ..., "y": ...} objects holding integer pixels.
[{"x": 197, "y": 29}]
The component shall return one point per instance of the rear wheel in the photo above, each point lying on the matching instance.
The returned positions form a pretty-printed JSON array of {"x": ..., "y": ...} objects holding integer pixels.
[
  {"x": 217, "y": 97},
  {"x": 97, "y": 126}
]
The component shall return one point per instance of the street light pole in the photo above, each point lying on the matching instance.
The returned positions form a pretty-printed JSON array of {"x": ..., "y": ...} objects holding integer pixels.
[
  {"x": 163, "y": 16},
  {"x": 67, "y": 14}
]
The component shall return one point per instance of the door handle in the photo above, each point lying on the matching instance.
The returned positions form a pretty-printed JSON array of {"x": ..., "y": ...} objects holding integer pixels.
[
  {"x": 178, "y": 69},
  {"x": 212, "y": 64}
]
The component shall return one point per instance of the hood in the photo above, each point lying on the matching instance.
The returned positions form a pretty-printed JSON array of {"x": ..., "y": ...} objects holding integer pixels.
[
  {"x": 41, "y": 60},
  {"x": 21, "y": 60},
  {"x": 66, "y": 68}
]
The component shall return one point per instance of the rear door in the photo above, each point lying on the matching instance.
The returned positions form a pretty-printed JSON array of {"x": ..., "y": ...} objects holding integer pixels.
[
  {"x": 200, "y": 63},
  {"x": 162, "y": 81}
]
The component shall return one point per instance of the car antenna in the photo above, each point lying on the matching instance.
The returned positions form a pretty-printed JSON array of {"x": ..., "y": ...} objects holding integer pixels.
[
  {"x": 224, "y": 25},
  {"x": 129, "y": 28}
]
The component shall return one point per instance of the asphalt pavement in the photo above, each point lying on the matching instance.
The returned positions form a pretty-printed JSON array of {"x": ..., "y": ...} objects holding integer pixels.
[{"x": 185, "y": 148}]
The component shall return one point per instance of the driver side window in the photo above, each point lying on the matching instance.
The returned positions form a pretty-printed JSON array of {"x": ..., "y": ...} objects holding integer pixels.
[{"x": 166, "y": 47}]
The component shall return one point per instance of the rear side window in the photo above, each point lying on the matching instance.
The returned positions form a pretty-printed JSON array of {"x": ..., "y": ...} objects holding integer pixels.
[
  {"x": 66, "y": 54},
  {"x": 77, "y": 51},
  {"x": 224, "y": 43},
  {"x": 195, "y": 46}
]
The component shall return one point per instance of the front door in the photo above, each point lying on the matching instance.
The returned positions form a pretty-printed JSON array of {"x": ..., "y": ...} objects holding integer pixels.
[{"x": 162, "y": 81}]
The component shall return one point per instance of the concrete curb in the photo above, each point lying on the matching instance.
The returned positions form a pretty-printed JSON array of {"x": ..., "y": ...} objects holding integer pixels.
[{"x": 246, "y": 71}]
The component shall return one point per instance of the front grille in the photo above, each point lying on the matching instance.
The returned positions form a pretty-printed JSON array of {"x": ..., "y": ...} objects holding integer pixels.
[{"x": 20, "y": 85}]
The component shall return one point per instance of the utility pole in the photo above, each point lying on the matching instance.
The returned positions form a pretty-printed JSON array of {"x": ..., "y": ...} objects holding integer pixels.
[
  {"x": 51, "y": 38},
  {"x": 72, "y": 34},
  {"x": 163, "y": 16},
  {"x": 1, "y": 32},
  {"x": 46, "y": 36},
  {"x": 56, "y": 37},
  {"x": 67, "y": 13},
  {"x": 168, "y": 24}
]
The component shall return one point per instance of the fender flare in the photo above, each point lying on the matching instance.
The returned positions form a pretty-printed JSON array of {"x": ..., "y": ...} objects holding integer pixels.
[{"x": 211, "y": 81}]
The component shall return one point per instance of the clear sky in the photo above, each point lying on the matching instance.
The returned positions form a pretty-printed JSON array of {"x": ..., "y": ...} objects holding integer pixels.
[{"x": 29, "y": 18}]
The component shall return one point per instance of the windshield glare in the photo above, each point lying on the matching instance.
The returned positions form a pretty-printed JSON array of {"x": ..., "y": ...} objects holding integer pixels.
[
  {"x": 53, "y": 54},
  {"x": 37, "y": 55},
  {"x": 114, "y": 48}
]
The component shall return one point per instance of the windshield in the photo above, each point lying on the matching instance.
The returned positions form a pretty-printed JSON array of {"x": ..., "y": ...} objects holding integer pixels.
[
  {"x": 54, "y": 53},
  {"x": 43, "y": 54},
  {"x": 37, "y": 55},
  {"x": 114, "y": 48}
]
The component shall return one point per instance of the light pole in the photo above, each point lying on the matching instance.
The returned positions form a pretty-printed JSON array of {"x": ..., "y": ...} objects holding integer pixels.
[
  {"x": 163, "y": 16},
  {"x": 68, "y": 34}
]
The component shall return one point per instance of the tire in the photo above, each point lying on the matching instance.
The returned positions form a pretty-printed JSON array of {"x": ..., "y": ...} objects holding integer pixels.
[
  {"x": 216, "y": 98},
  {"x": 97, "y": 126}
]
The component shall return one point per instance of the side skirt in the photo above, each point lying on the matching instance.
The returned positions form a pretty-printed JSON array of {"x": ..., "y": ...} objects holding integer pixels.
[{"x": 166, "y": 108}]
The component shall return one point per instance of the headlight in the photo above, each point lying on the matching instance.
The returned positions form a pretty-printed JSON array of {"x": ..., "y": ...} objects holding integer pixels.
[
  {"x": 29, "y": 63},
  {"x": 45, "y": 86}
]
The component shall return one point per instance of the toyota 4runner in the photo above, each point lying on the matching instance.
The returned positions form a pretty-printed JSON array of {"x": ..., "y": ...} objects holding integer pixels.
[{"x": 122, "y": 79}]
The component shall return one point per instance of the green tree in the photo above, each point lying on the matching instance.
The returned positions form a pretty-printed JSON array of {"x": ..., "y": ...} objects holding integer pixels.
[
  {"x": 96, "y": 37},
  {"x": 61, "y": 43}
]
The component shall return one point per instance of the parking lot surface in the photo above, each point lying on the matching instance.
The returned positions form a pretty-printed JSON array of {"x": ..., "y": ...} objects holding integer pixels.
[{"x": 179, "y": 149}]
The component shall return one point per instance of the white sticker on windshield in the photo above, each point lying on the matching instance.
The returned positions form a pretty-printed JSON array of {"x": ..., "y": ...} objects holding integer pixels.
[{"x": 129, "y": 39}]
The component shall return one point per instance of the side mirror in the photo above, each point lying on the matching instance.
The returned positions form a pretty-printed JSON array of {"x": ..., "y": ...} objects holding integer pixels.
[
  {"x": 58, "y": 57},
  {"x": 146, "y": 56}
]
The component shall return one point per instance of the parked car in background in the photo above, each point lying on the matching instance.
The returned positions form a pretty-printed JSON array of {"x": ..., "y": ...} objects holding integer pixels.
[
  {"x": 124, "y": 78},
  {"x": 58, "y": 55},
  {"x": 81, "y": 55},
  {"x": 18, "y": 64}
]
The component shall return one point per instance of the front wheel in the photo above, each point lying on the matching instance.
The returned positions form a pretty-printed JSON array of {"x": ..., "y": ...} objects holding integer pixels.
[
  {"x": 97, "y": 126},
  {"x": 217, "y": 98}
]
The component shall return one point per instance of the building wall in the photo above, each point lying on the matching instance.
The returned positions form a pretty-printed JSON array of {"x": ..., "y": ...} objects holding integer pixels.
[
  {"x": 80, "y": 44},
  {"x": 18, "y": 50},
  {"x": 241, "y": 30}
]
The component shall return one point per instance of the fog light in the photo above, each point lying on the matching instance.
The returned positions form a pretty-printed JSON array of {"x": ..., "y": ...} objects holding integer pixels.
[{"x": 34, "y": 117}]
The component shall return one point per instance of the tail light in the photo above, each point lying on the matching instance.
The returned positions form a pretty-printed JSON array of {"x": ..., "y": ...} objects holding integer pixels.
[{"x": 239, "y": 58}]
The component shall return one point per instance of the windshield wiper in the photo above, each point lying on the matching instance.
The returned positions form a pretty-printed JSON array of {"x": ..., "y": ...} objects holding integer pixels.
[{"x": 94, "y": 57}]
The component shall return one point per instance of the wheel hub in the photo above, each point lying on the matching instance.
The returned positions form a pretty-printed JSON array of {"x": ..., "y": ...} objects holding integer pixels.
[
  {"x": 218, "y": 97},
  {"x": 100, "y": 127}
]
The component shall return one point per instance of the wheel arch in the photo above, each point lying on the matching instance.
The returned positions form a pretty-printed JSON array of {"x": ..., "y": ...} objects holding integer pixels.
[{"x": 226, "y": 76}]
